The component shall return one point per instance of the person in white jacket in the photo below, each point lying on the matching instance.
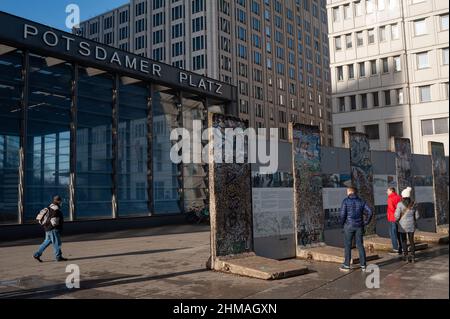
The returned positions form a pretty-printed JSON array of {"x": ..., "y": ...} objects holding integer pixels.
[{"x": 406, "y": 215}]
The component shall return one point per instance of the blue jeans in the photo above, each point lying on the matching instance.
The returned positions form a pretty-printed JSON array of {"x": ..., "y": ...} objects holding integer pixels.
[
  {"x": 357, "y": 233},
  {"x": 51, "y": 237},
  {"x": 393, "y": 233}
]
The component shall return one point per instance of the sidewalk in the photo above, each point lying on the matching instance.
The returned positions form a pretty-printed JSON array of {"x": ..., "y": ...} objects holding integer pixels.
[{"x": 169, "y": 262}]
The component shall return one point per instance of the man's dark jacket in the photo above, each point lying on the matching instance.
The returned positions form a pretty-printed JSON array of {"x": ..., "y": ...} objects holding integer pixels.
[
  {"x": 56, "y": 219},
  {"x": 352, "y": 212}
]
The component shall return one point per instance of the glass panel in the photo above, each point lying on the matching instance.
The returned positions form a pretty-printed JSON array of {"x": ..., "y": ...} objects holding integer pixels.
[
  {"x": 166, "y": 195},
  {"x": 10, "y": 100},
  {"x": 427, "y": 127},
  {"x": 441, "y": 126},
  {"x": 133, "y": 182},
  {"x": 48, "y": 135},
  {"x": 194, "y": 174},
  {"x": 94, "y": 145},
  {"x": 395, "y": 129}
]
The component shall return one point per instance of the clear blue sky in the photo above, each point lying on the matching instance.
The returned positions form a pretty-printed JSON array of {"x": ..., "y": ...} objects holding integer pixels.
[{"x": 53, "y": 12}]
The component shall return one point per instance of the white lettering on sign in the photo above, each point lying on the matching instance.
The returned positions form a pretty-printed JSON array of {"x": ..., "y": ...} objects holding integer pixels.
[
  {"x": 215, "y": 87},
  {"x": 86, "y": 49}
]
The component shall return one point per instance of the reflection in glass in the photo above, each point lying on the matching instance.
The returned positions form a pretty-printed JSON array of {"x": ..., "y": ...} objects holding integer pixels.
[
  {"x": 48, "y": 134},
  {"x": 10, "y": 93},
  {"x": 132, "y": 165},
  {"x": 94, "y": 145},
  {"x": 165, "y": 174},
  {"x": 194, "y": 174}
]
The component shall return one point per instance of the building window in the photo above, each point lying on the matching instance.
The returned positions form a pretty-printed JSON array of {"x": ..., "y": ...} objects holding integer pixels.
[
  {"x": 373, "y": 67},
  {"x": 336, "y": 16},
  {"x": 369, "y": 6},
  {"x": 364, "y": 101},
  {"x": 199, "y": 62},
  {"x": 441, "y": 126},
  {"x": 387, "y": 97},
  {"x": 395, "y": 129},
  {"x": 376, "y": 101},
  {"x": 427, "y": 127},
  {"x": 371, "y": 36},
  {"x": 337, "y": 43},
  {"x": 446, "y": 90},
  {"x": 243, "y": 107},
  {"x": 435, "y": 126},
  {"x": 362, "y": 69},
  {"x": 395, "y": 33},
  {"x": 420, "y": 27},
  {"x": 351, "y": 71},
  {"x": 385, "y": 65},
  {"x": 372, "y": 131},
  {"x": 422, "y": 60},
  {"x": 444, "y": 22},
  {"x": 353, "y": 102},
  {"x": 108, "y": 22},
  {"x": 123, "y": 17},
  {"x": 198, "y": 43},
  {"x": 397, "y": 64},
  {"x": 399, "y": 93},
  {"x": 381, "y": 5},
  {"x": 341, "y": 102},
  {"x": 347, "y": 12},
  {"x": 359, "y": 39},
  {"x": 358, "y": 8},
  {"x": 382, "y": 35},
  {"x": 197, "y": 6},
  {"x": 445, "y": 56},
  {"x": 425, "y": 93},
  {"x": 340, "y": 73},
  {"x": 348, "y": 41}
]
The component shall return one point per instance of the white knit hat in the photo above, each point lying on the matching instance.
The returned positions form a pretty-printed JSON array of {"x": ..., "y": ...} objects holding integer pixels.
[{"x": 406, "y": 192}]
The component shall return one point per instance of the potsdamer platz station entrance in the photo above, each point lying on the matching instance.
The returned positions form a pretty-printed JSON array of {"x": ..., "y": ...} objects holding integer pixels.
[{"x": 92, "y": 123}]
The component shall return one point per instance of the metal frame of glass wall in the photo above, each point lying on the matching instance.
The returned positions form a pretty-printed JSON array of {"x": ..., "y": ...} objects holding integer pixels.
[{"x": 77, "y": 140}]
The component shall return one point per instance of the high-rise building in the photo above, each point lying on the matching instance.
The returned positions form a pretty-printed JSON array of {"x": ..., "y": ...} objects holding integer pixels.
[
  {"x": 389, "y": 70},
  {"x": 275, "y": 52}
]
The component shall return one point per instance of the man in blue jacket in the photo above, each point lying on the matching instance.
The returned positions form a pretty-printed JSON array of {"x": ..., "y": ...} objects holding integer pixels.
[{"x": 352, "y": 214}]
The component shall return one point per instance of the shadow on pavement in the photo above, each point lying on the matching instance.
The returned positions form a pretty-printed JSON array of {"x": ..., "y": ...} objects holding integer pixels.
[
  {"x": 132, "y": 253},
  {"x": 55, "y": 290},
  {"x": 120, "y": 234}
]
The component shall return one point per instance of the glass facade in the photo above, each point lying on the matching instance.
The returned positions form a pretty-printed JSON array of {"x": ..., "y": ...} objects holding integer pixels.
[
  {"x": 133, "y": 149},
  {"x": 194, "y": 174},
  {"x": 99, "y": 140},
  {"x": 94, "y": 170},
  {"x": 10, "y": 115},
  {"x": 166, "y": 176},
  {"x": 48, "y": 134}
]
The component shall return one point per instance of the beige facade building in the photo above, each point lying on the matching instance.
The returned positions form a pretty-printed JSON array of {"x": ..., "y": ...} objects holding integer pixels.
[
  {"x": 389, "y": 70},
  {"x": 276, "y": 52}
]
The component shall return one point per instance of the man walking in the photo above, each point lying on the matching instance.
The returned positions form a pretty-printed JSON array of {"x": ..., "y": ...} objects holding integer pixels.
[
  {"x": 392, "y": 202},
  {"x": 53, "y": 228},
  {"x": 353, "y": 221}
]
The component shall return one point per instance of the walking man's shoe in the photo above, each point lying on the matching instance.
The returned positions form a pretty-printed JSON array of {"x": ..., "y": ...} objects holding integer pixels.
[
  {"x": 37, "y": 258},
  {"x": 345, "y": 268},
  {"x": 363, "y": 268},
  {"x": 62, "y": 259}
]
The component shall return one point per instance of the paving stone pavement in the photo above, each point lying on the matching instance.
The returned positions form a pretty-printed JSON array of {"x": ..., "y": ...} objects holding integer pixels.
[{"x": 169, "y": 262}]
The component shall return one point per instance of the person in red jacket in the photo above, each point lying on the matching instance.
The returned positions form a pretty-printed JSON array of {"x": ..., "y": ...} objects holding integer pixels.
[{"x": 393, "y": 200}]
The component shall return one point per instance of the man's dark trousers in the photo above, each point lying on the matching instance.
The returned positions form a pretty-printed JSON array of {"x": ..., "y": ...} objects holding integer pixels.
[{"x": 351, "y": 232}]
